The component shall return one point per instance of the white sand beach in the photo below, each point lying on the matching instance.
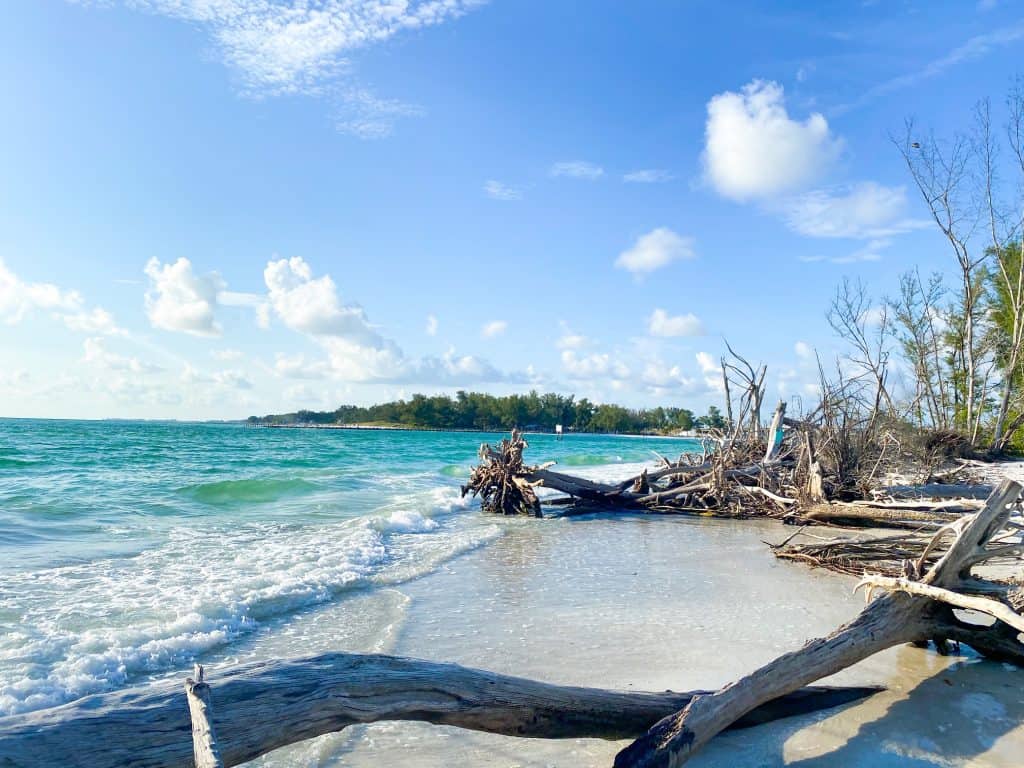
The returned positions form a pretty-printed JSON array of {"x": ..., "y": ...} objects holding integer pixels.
[{"x": 674, "y": 603}]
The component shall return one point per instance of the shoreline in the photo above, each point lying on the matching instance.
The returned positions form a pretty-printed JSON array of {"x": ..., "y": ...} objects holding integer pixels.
[{"x": 458, "y": 430}]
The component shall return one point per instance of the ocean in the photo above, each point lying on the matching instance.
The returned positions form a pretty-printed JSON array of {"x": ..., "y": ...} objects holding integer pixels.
[{"x": 129, "y": 550}]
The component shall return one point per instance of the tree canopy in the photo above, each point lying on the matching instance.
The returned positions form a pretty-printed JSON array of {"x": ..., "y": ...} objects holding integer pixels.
[{"x": 476, "y": 410}]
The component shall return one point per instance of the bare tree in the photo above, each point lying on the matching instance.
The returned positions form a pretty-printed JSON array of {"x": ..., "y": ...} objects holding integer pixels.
[
  {"x": 867, "y": 328},
  {"x": 942, "y": 174},
  {"x": 750, "y": 382}
]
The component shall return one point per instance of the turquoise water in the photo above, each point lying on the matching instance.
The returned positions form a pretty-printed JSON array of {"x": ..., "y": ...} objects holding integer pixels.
[{"x": 128, "y": 550}]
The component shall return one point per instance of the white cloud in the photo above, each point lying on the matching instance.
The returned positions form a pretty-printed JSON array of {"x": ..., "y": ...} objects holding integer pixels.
[
  {"x": 707, "y": 363},
  {"x": 298, "y": 46},
  {"x": 591, "y": 366},
  {"x": 452, "y": 368},
  {"x": 18, "y": 298},
  {"x": 283, "y": 47},
  {"x": 661, "y": 323},
  {"x": 431, "y": 328},
  {"x": 712, "y": 371},
  {"x": 656, "y": 249},
  {"x": 232, "y": 379},
  {"x": 180, "y": 300},
  {"x": 648, "y": 176},
  {"x": 871, "y": 251},
  {"x": 97, "y": 354},
  {"x": 298, "y": 367},
  {"x": 362, "y": 114},
  {"x": 354, "y": 350},
  {"x": 863, "y": 210},
  {"x": 578, "y": 169},
  {"x": 973, "y": 48},
  {"x": 226, "y": 355},
  {"x": 803, "y": 350},
  {"x": 753, "y": 149},
  {"x": 662, "y": 378},
  {"x": 96, "y": 321},
  {"x": 493, "y": 328},
  {"x": 570, "y": 340},
  {"x": 311, "y": 305},
  {"x": 498, "y": 191}
]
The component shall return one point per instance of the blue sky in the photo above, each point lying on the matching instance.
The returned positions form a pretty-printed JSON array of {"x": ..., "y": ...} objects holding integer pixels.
[{"x": 212, "y": 208}]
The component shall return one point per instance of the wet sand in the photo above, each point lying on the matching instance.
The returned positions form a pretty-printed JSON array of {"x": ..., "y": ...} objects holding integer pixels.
[{"x": 650, "y": 603}]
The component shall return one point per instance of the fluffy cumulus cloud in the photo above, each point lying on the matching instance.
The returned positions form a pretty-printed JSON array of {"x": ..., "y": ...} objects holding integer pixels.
[
  {"x": 577, "y": 169},
  {"x": 18, "y": 298},
  {"x": 354, "y": 350},
  {"x": 754, "y": 149},
  {"x": 661, "y": 323},
  {"x": 863, "y": 210},
  {"x": 658, "y": 248},
  {"x": 180, "y": 300},
  {"x": 593, "y": 366},
  {"x": 311, "y": 304}
]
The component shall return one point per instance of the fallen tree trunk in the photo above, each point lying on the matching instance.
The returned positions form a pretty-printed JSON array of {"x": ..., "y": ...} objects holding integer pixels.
[
  {"x": 853, "y": 514},
  {"x": 266, "y": 705},
  {"x": 906, "y": 613}
]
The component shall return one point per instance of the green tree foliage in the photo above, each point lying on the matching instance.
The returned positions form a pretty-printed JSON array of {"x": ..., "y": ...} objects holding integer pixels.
[{"x": 475, "y": 410}]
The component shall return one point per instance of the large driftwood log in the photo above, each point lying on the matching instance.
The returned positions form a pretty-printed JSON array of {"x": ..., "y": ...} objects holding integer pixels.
[
  {"x": 204, "y": 741},
  {"x": 904, "y": 614},
  {"x": 266, "y": 705}
]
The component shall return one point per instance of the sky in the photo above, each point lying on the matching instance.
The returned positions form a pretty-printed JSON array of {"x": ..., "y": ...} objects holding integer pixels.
[{"x": 217, "y": 208}]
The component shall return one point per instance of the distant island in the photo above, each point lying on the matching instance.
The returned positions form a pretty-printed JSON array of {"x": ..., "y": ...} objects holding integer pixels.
[{"x": 483, "y": 412}]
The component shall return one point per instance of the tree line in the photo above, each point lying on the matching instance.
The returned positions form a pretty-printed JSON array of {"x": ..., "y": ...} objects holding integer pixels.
[{"x": 480, "y": 411}]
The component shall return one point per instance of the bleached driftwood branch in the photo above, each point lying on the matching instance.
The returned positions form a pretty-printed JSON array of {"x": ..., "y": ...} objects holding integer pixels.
[
  {"x": 266, "y": 705},
  {"x": 204, "y": 741}
]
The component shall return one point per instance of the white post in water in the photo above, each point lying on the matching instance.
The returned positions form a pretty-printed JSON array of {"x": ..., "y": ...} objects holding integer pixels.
[
  {"x": 204, "y": 741},
  {"x": 558, "y": 430}
]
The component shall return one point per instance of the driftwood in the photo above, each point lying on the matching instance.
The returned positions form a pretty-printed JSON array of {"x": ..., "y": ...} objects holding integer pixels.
[
  {"x": 204, "y": 741},
  {"x": 499, "y": 479},
  {"x": 780, "y": 476},
  {"x": 266, "y": 705},
  {"x": 913, "y": 609}
]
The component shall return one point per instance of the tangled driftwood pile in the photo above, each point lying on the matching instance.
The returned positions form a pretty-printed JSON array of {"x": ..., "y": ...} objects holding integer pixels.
[{"x": 778, "y": 474}]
